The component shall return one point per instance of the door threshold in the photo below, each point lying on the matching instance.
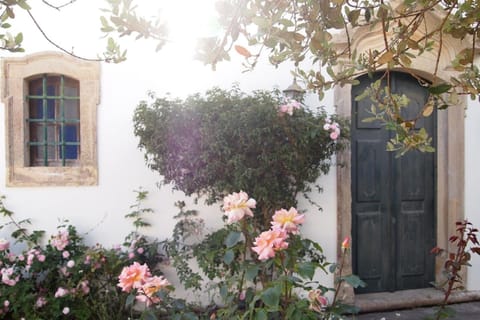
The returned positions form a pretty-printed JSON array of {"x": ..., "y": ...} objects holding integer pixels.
[{"x": 407, "y": 299}]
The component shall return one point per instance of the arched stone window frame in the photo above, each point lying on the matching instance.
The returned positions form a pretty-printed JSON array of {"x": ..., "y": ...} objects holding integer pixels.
[{"x": 15, "y": 73}]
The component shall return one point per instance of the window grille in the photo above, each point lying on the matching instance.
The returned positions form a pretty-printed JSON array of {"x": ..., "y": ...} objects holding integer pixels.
[{"x": 53, "y": 121}]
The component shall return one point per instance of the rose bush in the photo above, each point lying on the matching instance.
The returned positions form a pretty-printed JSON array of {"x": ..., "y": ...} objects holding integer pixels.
[
  {"x": 269, "y": 274},
  {"x": 66, "y": 279}
]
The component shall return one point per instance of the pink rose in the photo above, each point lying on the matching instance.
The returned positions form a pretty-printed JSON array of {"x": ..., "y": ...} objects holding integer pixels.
[
  {"x": 30, "y": 258},
  {"x": 133, "y": 276},
  {"x": 7, "y": 279},
  {"x": 318, "y": 302},
  {"x": 149, "y": 289},
  {"x": 238, "y": 205},
  {"x": 64, "y": 271},
  {"x": 334, "y": 129},
  {"x": 289, "y": 107},
  {"x": 4, "y": 245},
  {"x": 41, "y": 301},
  {"x": 287, "y": 220},
  {"x": 60, "y": 241},
  {"x": 268, "y": 242},
  {"x": 84, "y": 287},
  {"x": 334, "y": 135},
  {"x": 61, "y": 292}
]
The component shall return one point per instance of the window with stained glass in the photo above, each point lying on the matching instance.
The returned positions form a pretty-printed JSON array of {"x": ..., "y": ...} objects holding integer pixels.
[{"x": 53, "y": 121}]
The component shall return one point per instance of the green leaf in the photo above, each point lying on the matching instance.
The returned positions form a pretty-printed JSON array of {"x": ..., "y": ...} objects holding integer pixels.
[
  {"x": 189, "y": 316},
  {"x": 354, "y": 281},
  {"x": 251, "y": 273},
  {"x": 413, "y": 44},
  {"x": 23, "y": 4},
  {"x": 9, "y": 12},
  {"x": 130, "y": 300},
  {"x": 440, "y": 88},
  {"x": 261, "y": 22},
  {"x": 369, "y": 119},
  {"x": 271, "y": 296},
  {"x": 286, "y": 22},
  {"x": 332, "y": 268},
  {"x": 307, "y": 269},
  {"x": 390, "y": 146},
  {"x": 228, "y": 257},
  {"x": 445, "y": 313},
  {"x": 353, "y": 16},
  {"x": 386, "y": 57},
  {"x": 104, "y": 21},
  {"x": 223, "y": 291},
  {"x": 233, "y": 238},
  {"x": 261, "y": 315},
  {"x": 149, "y": 315},
  {"x": 382, "y": 12},
  {"x": 19, "y": 38}
]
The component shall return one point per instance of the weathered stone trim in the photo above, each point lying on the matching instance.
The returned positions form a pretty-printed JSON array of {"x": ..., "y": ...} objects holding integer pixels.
[
  {"x": 450, "y": 136},
  {"x": 450, "y": 179},
  {"x": 15, "y": 71}
]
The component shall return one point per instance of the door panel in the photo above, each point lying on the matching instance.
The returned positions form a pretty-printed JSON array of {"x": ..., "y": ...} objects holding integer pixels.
[{"x": 393, "y": 212}]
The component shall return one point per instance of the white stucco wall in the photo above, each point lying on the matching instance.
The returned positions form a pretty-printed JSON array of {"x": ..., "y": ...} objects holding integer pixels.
[
  {"x": 472, "y": 178},
  {"x": 98, "y": 211}
]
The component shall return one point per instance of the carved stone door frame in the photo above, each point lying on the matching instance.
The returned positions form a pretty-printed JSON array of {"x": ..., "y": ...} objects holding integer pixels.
[{"x": 450, "y": 146}]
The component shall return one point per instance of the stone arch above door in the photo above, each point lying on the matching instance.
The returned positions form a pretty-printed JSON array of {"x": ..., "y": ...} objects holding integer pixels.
[{"x": 450, "y": 133}]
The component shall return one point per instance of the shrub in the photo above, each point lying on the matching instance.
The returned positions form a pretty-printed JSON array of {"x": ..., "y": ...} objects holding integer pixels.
[
  {"x": 228, "y": 141},
  {"x": 65, "y": 278},
  {"x": 220, "y": 146}
]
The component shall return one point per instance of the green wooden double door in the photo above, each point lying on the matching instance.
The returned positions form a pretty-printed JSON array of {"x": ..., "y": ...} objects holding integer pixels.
[{"x": 393, "y": 199}]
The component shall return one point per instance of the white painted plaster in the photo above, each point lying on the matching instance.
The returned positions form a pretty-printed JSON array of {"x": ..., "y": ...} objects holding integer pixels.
[
  {"x": 98, "y": 211},
  {"x": 472, "y": 185}
]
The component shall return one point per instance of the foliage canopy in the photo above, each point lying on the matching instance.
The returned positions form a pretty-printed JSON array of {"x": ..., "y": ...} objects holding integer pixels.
[
  {"x": 228, "y": 141},
  {"x": 302, "y": 30},
  {"x": 305, "y": 31}
]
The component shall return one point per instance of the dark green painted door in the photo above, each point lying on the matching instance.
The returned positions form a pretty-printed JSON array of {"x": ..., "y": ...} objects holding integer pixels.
[{"x": 393, "y": 199}]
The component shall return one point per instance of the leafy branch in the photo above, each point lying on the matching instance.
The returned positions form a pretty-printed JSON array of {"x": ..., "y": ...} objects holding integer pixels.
[
  {"x": 466, "y": 242},
  {"x": 20, "y": 234},
  {"x": 296, "y": 31}
]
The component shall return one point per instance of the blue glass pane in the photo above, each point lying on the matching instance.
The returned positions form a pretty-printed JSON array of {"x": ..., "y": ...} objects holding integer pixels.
[
  {"x": 36, "y": 109},
  {"x": 70, "y": 135}
]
